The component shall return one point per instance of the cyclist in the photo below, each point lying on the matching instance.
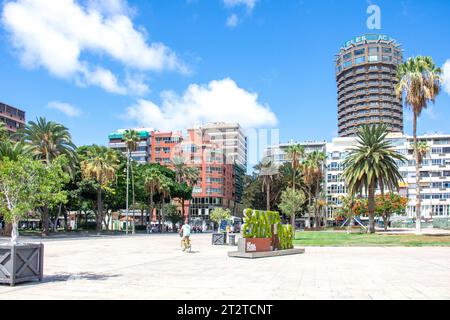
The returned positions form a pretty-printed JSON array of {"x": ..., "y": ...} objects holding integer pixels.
[{"x": 185, "y": 232}]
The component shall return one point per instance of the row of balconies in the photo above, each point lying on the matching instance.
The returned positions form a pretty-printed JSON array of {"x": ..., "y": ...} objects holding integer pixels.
[
  {"x": 367, "y": 75},
  {"x": 378, "y": 109}
]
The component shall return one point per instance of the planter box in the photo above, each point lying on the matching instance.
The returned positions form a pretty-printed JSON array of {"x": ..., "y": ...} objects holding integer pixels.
[
  {"x": 219, "y": 239},
  {"x": 254, "y": 245},
  {"x": 21, "y": 263}
]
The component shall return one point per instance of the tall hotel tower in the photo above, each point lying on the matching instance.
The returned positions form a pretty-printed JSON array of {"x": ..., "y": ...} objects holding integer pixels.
[{"x": 366, "y": 69}]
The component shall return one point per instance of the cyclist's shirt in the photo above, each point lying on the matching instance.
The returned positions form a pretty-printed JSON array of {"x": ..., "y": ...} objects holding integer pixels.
[{"x": 186, "y": 230}]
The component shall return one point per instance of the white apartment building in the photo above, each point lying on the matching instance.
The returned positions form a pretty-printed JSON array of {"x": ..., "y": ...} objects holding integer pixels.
[
  {"x": 278, "y": 153},
  {"x": 435, "y": 173},
  {"x": 231, "y": 137},
  {"x": 143, "y": 151}
]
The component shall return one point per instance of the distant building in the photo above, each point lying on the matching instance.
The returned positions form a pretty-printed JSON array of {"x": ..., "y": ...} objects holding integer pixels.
[
  {"x": 143, "y": 152},
  {"x": 13, "y": 118},
  {"x": 218, "y": 150},
  {"x": 278, "y": 153},
  {"x": 435, "y": 173},
  {"x": 366, "y": 74},
  {"x": 231, "y": 137}
]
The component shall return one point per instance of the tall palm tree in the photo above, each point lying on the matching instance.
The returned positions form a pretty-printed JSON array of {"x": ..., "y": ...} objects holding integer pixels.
[
  {"x": 100, "y": 165},
  {"x": 371, "y": 163},
  {"x": 131, "y": 139},
  {"x": 156, "y": 183},
  {"x": 47, "y": 140},
  {"x": 267, "y": 171},
  {"x": 314, "y": 175},
  {"x": 294, "y": 154},
  {"x": 419, "y": 80}
]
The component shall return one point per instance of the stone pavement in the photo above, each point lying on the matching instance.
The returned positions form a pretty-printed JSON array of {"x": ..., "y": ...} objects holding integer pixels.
[{"x": 153, "y": 267}]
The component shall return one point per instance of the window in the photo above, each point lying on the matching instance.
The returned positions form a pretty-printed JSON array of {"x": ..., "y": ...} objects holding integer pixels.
[
  {"x": 373, "y": 58},
  {"x": 347, "y": 64},
  {"x": 360, "y": 60},
  {"x": 387, "y": 58},
  {"x": 387, "y": 50},
  {"x": 374, "y": 50},
  {"x": 348, "y": 56},
  {"x": 360, "y": 52}
]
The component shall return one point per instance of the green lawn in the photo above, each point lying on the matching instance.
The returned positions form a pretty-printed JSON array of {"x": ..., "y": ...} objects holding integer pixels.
[{"x": 342, "y": 239}]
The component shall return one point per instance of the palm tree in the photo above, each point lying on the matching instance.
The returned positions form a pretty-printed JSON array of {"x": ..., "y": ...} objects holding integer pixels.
[
  {"x": 294, "y": 154},
  {"x": 423, "y": 149},
  {"x": 131, "y": 139},
  {"x": 185, "y": 174},
  {"x": 13, "y": 150},
  {"x": 420, "y": 81},
  {"x": 47, "y": 140},
  {"x": 100, "y": 165},
  {"x": 314, "y": 171},
  {"x": 372, "y": 163},
  {"x": 267, "y": 171}
]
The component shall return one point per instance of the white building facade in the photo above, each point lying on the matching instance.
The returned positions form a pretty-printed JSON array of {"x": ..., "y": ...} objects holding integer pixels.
[
  {"x": 435, "y": 174},
  {"x": 435, "y": 171}
]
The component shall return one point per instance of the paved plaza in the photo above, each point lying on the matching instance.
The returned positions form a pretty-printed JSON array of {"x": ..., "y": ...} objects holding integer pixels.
[{"x": 153, "y": 267}]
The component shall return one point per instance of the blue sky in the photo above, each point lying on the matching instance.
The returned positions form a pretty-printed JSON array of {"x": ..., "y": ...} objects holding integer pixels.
[{"x": 97, "y": 66}]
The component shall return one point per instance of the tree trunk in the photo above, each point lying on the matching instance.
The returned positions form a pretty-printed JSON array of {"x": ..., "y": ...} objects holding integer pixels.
[
  {"x": 134, "y": 197},
  {"x": 268, "y": 196},
  {"x": 45, "y": 224},
  {"x": 15, "y": 231},
  {"x": 416, "y": 156},
  {"x": 127, "y": 195},
  {"x": 183, "y": 213},
  {"x": 7, "y": 230},
  {"x": 142, "y": 217},
  {"x": 65, "y": 220},
  {"x": 371, "y": 205},
  {"x": 99, "y": 211}
]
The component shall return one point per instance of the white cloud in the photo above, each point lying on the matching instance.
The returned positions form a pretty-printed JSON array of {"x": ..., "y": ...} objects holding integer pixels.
[
  {"x": 446, "y": 76},
  {"x": 65, "y": 108},
  {"x": 250, "y": 4},
  {"x": 56, "y": 34},
  {"x": 232, "y": 21},
  {"x": 219, "y": 101}
]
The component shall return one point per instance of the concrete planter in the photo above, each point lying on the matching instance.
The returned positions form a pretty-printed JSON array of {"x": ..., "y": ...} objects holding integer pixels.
[
  {"x": 219, "y": 239},
  {"x": 21, "y": 263},
  {"x": 255, "y": 245}
]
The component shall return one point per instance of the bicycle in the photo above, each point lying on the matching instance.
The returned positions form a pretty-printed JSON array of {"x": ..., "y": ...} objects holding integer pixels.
[{"x": 186, "y": 244}]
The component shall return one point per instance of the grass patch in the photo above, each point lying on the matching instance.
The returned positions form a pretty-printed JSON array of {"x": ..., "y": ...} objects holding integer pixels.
[{"x": 342, "y": 239}]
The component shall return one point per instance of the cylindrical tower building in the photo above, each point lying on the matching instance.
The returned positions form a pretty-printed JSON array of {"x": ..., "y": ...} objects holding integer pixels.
[{"x": 366, "y": 69}]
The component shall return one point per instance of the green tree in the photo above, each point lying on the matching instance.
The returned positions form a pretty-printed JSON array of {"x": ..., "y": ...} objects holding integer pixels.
[
  {"x": 188, "y": 176},
  {"x": 47, "y": 140},
  {"x": 100, "y": 165},
  {"x": 3, "y": 132},
  {"x": 173, "y": 216},
  {"x": 291, "y": 202},
  {"x": 13, "y": 150},
  {"x": 294, "y": 154},
  {"x": 313, "y": 168},
  {"x": 220, "y": 214},
  {"x": 26, "y": 184},
  {"x": 131, "y": 139},
  {"x": 372, "y": 163},
  {"x": 267, "y": 172},
  {"x": 419, "y": 80}
]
